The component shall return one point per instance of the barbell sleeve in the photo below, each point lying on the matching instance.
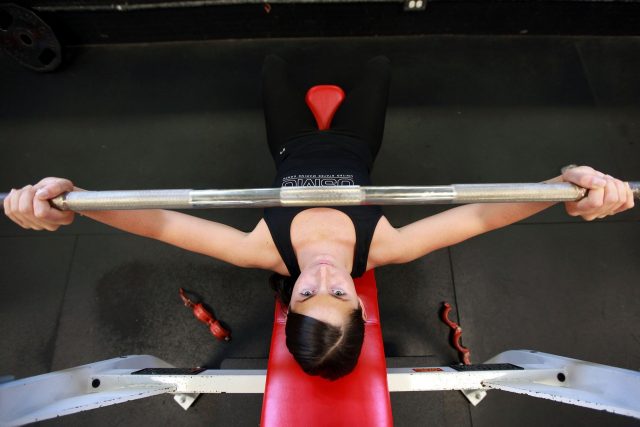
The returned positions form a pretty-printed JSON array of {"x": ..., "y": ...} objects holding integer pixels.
[{"x": 321, "y": 196}]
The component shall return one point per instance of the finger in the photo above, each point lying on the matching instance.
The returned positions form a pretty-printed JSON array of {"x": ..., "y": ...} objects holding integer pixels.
[
  {"x": 572, "y": 208},
  {"x": 628, "y": 203},
  {"x": 67, "y": 217},
  {"x": 51, "y": 227},
  {"x": 581, "y": 169},
  {"x": 63, "y": 218},
  {"x": 585, "y": 207},
  {"x": 592, "y": 203},
  {"x": 53, "y": 187},
  {"x": 25, "y": 199},
  {"x": 622, "y": 197},
  {"x": 18, "y": 216},
  {"x": 585, "y": 177},
  {"x": 8, "y": 207},
  {"x": 15, "y": 203},
  {"x": 590, "y": 217},
  {"x": 49, "y": 180},
  {"x": 611, "y": 198},
  {"x": 43, "y": 210},
  {"x": 6, "y": 204},
  {"x": 25, "y": 207}
]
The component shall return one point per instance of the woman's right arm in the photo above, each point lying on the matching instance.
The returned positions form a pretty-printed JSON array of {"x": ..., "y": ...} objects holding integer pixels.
[{"x": 29, "y": 207}]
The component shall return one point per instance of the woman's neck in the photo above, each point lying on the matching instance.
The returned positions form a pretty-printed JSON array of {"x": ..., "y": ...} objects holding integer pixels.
[{"x": 336, "y": 252}]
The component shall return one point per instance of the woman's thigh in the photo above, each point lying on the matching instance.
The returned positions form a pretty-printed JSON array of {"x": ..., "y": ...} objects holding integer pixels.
[
  {"x": 286, "y": 114},
  {"x": 363, "y": 111}
]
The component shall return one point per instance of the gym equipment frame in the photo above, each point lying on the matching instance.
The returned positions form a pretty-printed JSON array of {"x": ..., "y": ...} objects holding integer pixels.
[{"x": 128, "y": 378}]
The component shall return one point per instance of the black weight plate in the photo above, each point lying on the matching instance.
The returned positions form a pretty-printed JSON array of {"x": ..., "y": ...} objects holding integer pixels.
[{"x": 28, "y": 39}]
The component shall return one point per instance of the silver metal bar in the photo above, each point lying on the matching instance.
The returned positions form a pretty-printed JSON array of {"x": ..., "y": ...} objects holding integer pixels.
[
  {"x": 321, "y": 196},
  {"x": 246, "y": 381},
  {"x": 445, "y": 378}
]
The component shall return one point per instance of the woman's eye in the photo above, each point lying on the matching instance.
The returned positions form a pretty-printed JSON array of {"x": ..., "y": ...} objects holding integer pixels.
[
  {"x": 338, "y": 292},
  {"x": 306, "y": 293}
]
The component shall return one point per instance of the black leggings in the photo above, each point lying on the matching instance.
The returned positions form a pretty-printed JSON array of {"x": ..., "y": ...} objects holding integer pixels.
[{"x": 361, "y": 114}]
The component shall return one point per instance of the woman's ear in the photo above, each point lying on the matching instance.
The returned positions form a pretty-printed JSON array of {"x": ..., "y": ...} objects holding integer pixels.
[{"x": 364, "y": 309}]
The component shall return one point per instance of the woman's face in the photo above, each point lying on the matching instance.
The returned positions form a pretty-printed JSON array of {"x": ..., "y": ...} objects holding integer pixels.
[{"x": 324, "y": 291}]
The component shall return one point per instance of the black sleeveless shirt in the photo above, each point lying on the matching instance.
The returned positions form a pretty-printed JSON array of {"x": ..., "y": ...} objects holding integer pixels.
[{"x": 324, "y": 159}]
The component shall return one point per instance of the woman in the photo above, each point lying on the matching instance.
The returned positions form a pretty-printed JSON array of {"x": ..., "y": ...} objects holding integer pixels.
[{"x": 316, "y": 252}]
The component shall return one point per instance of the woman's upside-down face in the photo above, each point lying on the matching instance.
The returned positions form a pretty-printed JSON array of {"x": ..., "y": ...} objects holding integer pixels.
[{"x": 325, "y": 291}]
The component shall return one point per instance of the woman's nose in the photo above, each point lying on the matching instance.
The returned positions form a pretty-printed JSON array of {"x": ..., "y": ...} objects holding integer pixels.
[{"x": 324, "y": 274}]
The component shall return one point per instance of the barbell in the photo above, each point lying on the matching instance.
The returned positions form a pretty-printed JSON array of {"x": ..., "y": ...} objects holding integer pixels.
[{"x": 321, "y": 196}]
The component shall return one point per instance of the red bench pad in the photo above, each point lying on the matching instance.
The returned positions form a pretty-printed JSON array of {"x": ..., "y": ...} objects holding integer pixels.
[{"x": 293, "y": 398}]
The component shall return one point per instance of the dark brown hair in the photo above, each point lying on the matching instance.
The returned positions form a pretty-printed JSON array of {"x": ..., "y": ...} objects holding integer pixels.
[{"x": 320, "y": 348}]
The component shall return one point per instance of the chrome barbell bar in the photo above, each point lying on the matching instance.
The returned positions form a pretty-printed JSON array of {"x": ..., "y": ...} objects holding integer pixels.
[{"x": 321, "y": 196}]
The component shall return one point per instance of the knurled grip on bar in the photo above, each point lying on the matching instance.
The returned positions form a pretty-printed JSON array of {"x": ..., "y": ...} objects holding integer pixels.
[{"x": 123, "y": 200}]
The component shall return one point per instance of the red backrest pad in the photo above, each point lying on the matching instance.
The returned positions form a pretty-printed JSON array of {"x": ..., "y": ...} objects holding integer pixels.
[{"x": 293, "y": 398}]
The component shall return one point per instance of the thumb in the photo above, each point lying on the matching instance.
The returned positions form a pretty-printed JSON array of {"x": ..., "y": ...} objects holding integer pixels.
[
  {"x": 585, "y": 179},
  {"x": 53, "y": 189}
]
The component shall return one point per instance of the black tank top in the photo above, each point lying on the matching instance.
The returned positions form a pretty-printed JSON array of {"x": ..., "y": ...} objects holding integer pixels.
[{"x": 324, "y": 159}]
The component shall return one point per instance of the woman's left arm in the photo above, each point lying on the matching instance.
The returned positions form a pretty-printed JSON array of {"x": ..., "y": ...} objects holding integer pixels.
[{"x": 607, "y": 196}]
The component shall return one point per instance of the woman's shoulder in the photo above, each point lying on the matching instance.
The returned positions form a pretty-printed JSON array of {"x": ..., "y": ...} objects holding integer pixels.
[
  {"x": 384, "y": 244},
  {"x": 264, "y": 249}
]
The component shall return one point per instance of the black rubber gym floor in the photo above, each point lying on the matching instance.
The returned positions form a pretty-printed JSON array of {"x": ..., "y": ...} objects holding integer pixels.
[{"x": 187, "y": 115}]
